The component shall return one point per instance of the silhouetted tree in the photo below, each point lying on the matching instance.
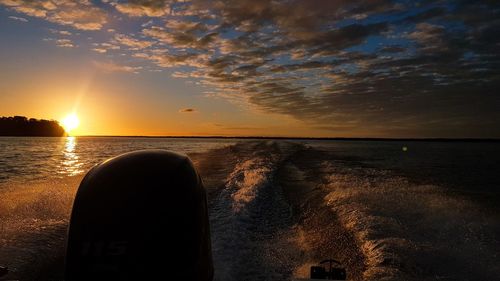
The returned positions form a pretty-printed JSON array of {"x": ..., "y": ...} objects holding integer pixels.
[{"x": 22, "y": 126}]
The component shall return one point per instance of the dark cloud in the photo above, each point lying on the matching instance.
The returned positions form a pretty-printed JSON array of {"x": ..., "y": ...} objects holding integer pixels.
[
  {"x": 181, "y": 38},
  {"x": 344, "y": 37},
  {"x": 310, "y": 60},
  {"x": 426, "y": 15},
  {"x": 187, "y": 110},
  {"x": 392, "y": 49},
  {"x": 429, "y": 37}
]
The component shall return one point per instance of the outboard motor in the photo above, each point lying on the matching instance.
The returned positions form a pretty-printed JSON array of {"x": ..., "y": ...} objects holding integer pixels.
[{"x": 140, "y": 216}]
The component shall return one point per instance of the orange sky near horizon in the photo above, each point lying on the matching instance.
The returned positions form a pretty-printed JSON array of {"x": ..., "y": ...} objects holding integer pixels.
[
  {"x": 101, "y": 111},
  {"x": 127, "y": 105}
]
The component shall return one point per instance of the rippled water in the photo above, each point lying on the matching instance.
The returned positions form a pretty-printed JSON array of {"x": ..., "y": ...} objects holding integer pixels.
[
  {"x": 386, "y": 210},
  {"x": 470, "y": 166},
  {"x": 30, "y": 158}
]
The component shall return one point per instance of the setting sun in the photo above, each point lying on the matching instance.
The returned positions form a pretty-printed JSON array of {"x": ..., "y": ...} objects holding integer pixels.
[{"x": 70, "y": 122}]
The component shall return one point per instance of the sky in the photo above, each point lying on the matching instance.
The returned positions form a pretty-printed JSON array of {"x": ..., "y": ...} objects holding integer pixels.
[{"x": 297, "y": 68}]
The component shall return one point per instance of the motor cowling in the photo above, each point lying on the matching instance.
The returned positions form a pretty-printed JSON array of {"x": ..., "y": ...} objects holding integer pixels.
[{"x": 138, "y": 216}]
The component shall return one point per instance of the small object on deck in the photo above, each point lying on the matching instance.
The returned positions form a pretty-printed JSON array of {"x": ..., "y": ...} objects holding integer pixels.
[
  {"x": 330, "y": 273},
  {"x": 3, "y": 271}
]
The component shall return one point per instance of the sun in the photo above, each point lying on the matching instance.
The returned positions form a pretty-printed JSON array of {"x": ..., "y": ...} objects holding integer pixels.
[{"x": 70, "y": 122}]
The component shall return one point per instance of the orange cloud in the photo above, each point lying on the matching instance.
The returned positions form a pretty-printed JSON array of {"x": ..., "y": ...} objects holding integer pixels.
[
  {"x": 114, "y": 67},
  {"x": 79, "y": 14}
]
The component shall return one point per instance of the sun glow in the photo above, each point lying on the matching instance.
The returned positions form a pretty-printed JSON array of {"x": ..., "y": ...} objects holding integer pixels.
[{"x": 70, "y": 122}]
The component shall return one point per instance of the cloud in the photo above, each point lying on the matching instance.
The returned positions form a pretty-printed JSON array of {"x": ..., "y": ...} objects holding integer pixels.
[
  {"x": 110, "y": 67},
  {"x": 374, "y": 66},
  {"x": 388, "y": 89},
  {"x": 392, "y": 49},
  {"x": 60, "y": 32},
  {"x": 85, "y": 18},
  {"x": 99, "y": 50},
  {"x": 148, "y": 23},
  {"x": 429, "y": 37},
  {"x": 179, "y": 74},
  {"x": 18, "y": 19},
  {"x": 187, "y": 110},
  {"x": 132, "y": 42},
  {"x": 104, "y": 47},
  {"x": 139, "y": 8},
  {"x": 65, "y": 43},
  {"x": 166, "y": 59},
  {"x": 80, "y": 14},
  {"x": 181, "y": 38}
]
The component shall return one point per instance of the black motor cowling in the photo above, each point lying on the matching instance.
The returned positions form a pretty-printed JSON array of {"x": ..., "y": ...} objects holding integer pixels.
[{"x": 139, "y": 216}]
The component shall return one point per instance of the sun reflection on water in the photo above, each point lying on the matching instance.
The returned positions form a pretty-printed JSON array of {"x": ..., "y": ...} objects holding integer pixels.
[{"x": 71, "y": 164}]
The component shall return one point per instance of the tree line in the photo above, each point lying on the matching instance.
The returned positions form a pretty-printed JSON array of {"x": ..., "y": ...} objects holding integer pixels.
[{"x": 22, "y": 126}]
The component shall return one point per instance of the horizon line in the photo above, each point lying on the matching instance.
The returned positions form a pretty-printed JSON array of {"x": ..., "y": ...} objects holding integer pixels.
[{"x": 304, "y": 138}]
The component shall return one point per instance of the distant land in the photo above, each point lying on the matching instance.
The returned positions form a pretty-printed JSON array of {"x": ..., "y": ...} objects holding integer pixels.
[
  {"x": 22, "y": 126},
  {"x": 424, "y": 139}
]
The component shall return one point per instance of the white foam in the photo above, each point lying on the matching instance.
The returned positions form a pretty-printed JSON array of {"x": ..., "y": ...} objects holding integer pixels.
[
  {"x": 247, "y": 218},
  {"x": 246, "y": 179},
  {"x": 408, "y": 231}
]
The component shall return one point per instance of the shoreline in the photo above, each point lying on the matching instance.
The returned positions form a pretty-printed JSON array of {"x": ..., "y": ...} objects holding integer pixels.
[{"x": 472, "y": 140}]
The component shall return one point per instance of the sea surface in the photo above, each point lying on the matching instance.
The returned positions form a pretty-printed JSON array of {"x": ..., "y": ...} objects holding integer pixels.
[{"x": 387, "y": 210}]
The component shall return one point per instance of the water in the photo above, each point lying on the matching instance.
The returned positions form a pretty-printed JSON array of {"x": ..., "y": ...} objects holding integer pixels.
[
  {"x": 426, "y": 212},
  {"x": 460, "y": 165},
  {"x": 43, "y": 157}
]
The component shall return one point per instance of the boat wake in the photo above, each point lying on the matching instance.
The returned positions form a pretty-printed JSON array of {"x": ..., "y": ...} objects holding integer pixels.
[
  {"x": 412, "y": 232},
  {"x": 249, "y": 220}
]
